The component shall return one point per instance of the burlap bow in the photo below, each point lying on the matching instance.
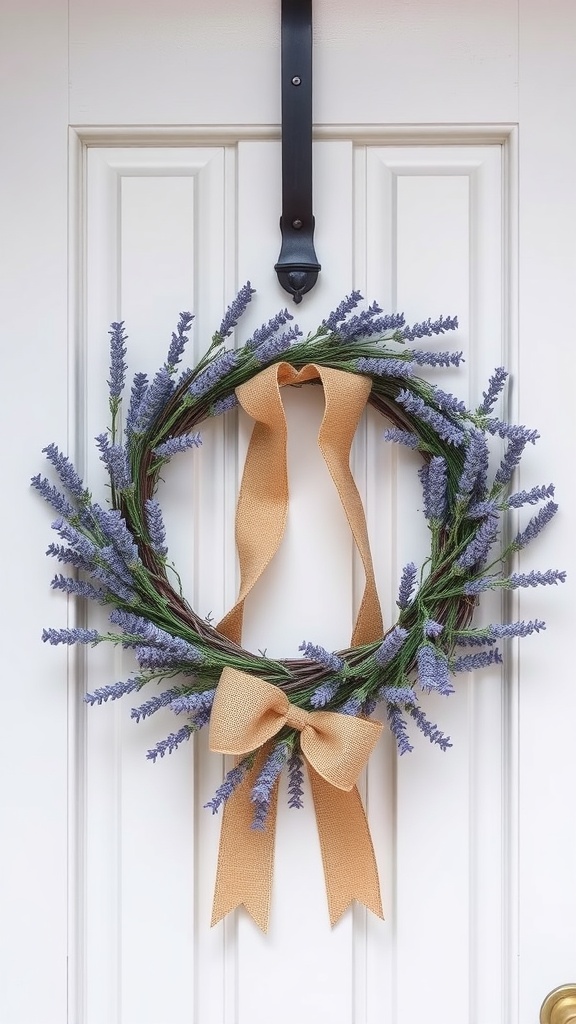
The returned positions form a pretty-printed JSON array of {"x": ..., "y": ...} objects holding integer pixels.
[{"x": 248, "y": 711}]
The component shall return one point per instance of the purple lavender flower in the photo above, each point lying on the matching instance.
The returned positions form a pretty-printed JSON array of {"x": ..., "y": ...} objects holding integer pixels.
[
  {"x": 195, "y": 704},
  {"x": 323, "y": 657},
  {"x": 389, "y": 322},
  {"x": 531, "y": 497},
  {"x": 66, "y": 472},
  {"x": 359, "y": 326},
  {"x": 428, "y": 327},
  {"x": 495, "y": 386},
  {"x": 153, "y": 400},
  {"x": 223, "y": 405},
  {"x": 84, "y": 547},
  {"x": 354, "y": 705},
  {"x": 295, "y": 781},
  {"x": 261, "y": 795},
  {"x": 233, "y": 779},
  {"x": 117, "y": 365},
  {"x": 512, "y": 431},
  {"x": 151, "y": 706},
  {"x": 432, "y": 732},
  {"x": 114, "y": 528},
  {"x": 156, "y": 528},
  {"x": 477, "y": 550},
  {"x": 384, "y": 367},
  {"x": 171, "y": 743},
  {"x": 449, "y": 403},
  {"x": 68, "y": 556},
  {"x": 112, "y": 566},
  {"x": 139, "y": 389},
  {"x": 390, "y": 645},
  {"x": 71, "y": 636},
  {"x": 115, "y": 458},
  {"x": 179, "y": 339},
  {"x": 324, "y": 693},
  {"x": 482, "y": 509},
  {"x": 475, "y": 587},
  {"x": 53, "y": 496},
  {"x": 471, "y": 662},
  {"x": 535, "y": 526},
  {"x": 407, "y": 584},
  {"x": 213, "y": 373},
  {"x": 436, "y": 358},
  {"x": 433, "y": 670},
  {"x": 434, "y": 477},
  {"x": 116, "y": 586},
  {"x": 112, "y": 692},
  {"x": 398, "y": 729},
  {"x": 76, "y": 587},
  {"x": 536, "y": 579},
  {"x": 475, "y": 464},
  {"x": 398, "y": 695},
  {"x": 511, "y": 629},
  {"x": 173, "y": 653},
  {"x": 177, "y": 444},
  {"x": 235, "y": 310},
  {"x": 444, "y": 427},
  {"x": 274, "y": 347},
  {"x": 341, "y": 312},
  {"x": 401, "y": 437},
  {"x": 263, "y": 333},
  {"x": 433, "y": 629},
  {"x": 512, "y": 457}
]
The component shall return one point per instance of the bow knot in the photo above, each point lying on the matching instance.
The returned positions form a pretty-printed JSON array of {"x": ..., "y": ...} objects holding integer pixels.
[{"x": 248, "y": 711}]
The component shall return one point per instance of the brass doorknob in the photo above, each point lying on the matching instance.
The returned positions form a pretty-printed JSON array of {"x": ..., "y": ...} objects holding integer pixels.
[{"x": 559, "y": 1007}]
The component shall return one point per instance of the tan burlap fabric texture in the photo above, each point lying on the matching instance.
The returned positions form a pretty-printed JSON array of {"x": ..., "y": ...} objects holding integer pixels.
[{"x": 248, "y": 712}]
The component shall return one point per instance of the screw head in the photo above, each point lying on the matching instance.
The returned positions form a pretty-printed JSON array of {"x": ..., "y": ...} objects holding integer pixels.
[
  {"x": 296, "y": 80},
  {"x": 297, "y": 224}
]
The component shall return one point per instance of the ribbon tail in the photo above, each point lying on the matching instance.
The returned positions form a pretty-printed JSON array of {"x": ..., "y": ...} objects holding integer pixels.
[
  {"x": 246, "y": 856},
  {"x": 350, "y": 870}
]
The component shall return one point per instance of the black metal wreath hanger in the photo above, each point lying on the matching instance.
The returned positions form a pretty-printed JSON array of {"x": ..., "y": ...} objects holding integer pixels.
[{"x": 297, "y": 265}]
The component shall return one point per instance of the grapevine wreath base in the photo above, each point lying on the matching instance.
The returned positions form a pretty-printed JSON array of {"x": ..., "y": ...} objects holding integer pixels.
[{"x": 314, "y": 710}]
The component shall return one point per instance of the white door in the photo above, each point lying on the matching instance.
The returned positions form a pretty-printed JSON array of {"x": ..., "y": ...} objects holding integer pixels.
[{"x": 443, "y": 172}]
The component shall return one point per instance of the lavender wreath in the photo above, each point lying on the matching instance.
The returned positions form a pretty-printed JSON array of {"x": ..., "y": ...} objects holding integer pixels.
[{"x": 120, "y": 556}]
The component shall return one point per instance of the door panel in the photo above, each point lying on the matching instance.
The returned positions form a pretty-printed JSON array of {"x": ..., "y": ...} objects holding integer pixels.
[{"x": 422, "y": 228}]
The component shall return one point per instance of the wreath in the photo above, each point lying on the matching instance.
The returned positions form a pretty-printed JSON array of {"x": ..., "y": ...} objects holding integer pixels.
[{"x": 282, "y": 707}]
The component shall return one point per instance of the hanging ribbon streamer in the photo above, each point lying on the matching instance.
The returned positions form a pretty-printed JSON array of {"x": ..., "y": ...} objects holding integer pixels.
[{"x": 248, "y": 711}]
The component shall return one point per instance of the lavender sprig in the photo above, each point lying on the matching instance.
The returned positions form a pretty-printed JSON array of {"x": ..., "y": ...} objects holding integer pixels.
[
  {"x": 151, "y": 706},
  {"x": 170, "y": 744},
  {"x": 71, "y": 636},
  {"x": 156, "y": 528},
  {"x": 531, "y": 497},
  {"x": 174, "y": 445},
  {"x": 428, "y": 327},
  {"x": 113, "y": 691},
  {"x": 535, "y": 526},
  {"x": 233, "y": 779},
  {"x": 404, "y": 437},
  {"x": 179, "y": 340},
  {"x": 532, "y": 579},
  {"x": 407, "y": 584},
  {"x": 433, "y": 670},
  {"x": 235, "y": 310},
  {"x": 495, "y": 386},
  {"x": 444, "y": 427},
  {"x": 115, "y": 458},
  {"x": 77, "y": 587},
  {"x": 483, "y": 659},
  {"x": 262, "y": 791},
  {"x": 53, "y": 496},
  {"x": 266, "y": 331},
  {"x": 338, "y": 315},
  {"x": 398, "y": 729},
  {"x": 390, "y": 646},
  {"x": 436, "y": 358},
  {"x": 214, "y": 372},
  {"x": 274, "y": 347},
  {"x": 117, "y": 365},
  {"x": 295, "y": 781},
  {"x": 66, "y": 472},
  {"x": 432, "y": 732},
  {"x": 323, "y": 657},
  {"x": 381, "y": 367},
  {"x": 324, "y": 693},
  {"x": 434, "y": 480},
  {"x": 476, "y": 552}
]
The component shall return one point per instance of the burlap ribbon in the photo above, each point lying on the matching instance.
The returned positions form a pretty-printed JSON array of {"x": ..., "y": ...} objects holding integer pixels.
[{"x": 248, "y": 711}]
